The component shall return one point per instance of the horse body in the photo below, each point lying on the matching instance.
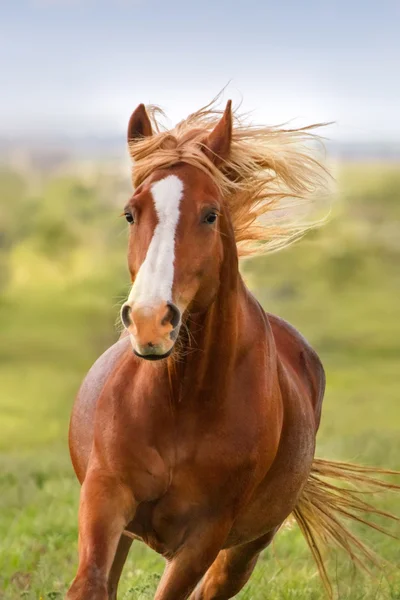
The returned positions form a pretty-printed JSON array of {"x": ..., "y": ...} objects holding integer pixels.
[
  {"x": 196, "y": 431},
  {"x": 188, "y": 458}
]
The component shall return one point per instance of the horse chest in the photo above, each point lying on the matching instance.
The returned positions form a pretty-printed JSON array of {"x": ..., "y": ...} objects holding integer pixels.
[
  {"x": 201, "y": 487},
  {"x": 210, "y": 475},
  {"x": 227, "y": 470},
  {"x": 187, "y": 462}
]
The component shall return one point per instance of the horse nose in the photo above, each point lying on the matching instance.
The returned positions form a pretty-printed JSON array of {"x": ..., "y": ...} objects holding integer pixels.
[
  {"x": 172, "y": 316},
  {"x": 153, "y": 321},
  {"x": 126, "y": 315}
]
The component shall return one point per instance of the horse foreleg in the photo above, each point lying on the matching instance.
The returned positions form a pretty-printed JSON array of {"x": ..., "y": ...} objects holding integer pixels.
[
  {"x": 231, "y": 570},
  {"x": 191, "y": 561},
  {"x": 106, "y": 506},
  {"x": 117, "y": 566}
]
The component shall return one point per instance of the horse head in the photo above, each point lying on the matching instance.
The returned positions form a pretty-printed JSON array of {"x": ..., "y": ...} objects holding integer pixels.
[{"x": 178, "y": 221}]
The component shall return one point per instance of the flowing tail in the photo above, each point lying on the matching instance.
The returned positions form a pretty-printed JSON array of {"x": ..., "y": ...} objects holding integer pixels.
[{"x": 324, "y": 507}]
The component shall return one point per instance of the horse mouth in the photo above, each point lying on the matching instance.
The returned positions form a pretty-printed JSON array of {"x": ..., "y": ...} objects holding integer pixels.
[{"x": 154, "y": 356}]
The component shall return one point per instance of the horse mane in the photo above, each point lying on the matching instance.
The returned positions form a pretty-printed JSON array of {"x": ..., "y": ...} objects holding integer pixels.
[{"x": 272, "y": 182}]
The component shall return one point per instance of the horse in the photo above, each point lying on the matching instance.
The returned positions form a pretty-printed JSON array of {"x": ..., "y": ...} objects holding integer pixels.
[{"x": 195, "y": 432}]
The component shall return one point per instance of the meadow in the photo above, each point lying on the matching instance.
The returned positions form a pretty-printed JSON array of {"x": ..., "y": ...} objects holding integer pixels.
[{"x": 62, "y": 278}]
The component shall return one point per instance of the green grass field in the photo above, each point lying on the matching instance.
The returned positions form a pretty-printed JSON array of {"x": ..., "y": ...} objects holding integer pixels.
[{"x": 339, "y": 286}]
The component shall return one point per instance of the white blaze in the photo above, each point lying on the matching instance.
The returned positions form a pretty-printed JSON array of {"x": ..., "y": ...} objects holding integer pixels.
[{"x": 153, "y": 283}]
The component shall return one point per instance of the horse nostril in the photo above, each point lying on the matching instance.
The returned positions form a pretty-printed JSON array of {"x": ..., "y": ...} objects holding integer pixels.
[
  {"x": 172, "y": 315},
  {"x": 126, "y": 315}
]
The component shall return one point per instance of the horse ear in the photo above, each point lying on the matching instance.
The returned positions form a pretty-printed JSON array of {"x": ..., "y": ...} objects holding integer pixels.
[
  {"x": 217, "y": 144},
  {"x": 139, "y": 124}
]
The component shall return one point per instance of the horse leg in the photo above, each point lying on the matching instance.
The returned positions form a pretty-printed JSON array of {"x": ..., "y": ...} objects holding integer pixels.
[
  {"x": 231, "y": 570},
  {"x": 191, "y": 561},
  {"x": 106, "y": 506},
  {"x": 121, "y": 555}
]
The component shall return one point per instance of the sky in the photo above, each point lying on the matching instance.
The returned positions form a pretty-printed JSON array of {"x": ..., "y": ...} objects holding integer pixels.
[{"x": 79, "y": 67}]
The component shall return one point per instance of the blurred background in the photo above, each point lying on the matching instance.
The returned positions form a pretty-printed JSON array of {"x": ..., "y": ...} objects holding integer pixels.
[{"x": 71, "y": 74}]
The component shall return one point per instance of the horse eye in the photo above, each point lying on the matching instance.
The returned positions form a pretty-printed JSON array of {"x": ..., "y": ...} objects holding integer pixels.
[
  {"x": 129, "y": 217},
  {"x": 210, "y": 218}
]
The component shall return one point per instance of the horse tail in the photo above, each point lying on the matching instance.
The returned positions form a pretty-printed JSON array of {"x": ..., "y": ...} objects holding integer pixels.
[{"x": 324, "y": 510}]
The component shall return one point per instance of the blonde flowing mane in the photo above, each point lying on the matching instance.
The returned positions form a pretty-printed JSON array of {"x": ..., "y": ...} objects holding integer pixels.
[{"x": 273, "y": 182}]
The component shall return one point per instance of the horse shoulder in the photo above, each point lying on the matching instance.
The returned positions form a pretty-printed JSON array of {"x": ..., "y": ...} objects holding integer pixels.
[
  {"x": 296, "y": 354},
  {"x": 82, "y": 418}
]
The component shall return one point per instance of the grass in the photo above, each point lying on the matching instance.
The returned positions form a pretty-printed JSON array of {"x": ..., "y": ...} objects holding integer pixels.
[
  {"x": 38, "y": 533},
  {"x": 339, "y": 287}
]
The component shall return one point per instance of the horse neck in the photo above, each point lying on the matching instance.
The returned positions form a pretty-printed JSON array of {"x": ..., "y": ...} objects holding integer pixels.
[{"x": 212, "y": 342}]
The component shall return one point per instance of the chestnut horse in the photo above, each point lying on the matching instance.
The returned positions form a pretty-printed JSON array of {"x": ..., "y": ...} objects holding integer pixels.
[{"x": 195, "y": 432}]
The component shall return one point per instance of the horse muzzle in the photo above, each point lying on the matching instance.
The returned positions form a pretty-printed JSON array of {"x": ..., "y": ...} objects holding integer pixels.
[{"x": 153, "y": 328}]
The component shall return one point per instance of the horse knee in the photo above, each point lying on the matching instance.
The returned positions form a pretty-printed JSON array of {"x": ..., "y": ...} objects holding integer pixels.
[
  {"x": 87, "y": 588},
  {"x": 225, "y": 579}
]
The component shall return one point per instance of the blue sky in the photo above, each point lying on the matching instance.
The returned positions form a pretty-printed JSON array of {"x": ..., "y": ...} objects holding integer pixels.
[{"x": 81, "y": 66}]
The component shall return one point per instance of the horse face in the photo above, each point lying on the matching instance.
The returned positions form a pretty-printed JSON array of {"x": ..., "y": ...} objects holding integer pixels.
[
  {"x": 175, "y": 247},
  {"x": 175, "y": 254}
]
